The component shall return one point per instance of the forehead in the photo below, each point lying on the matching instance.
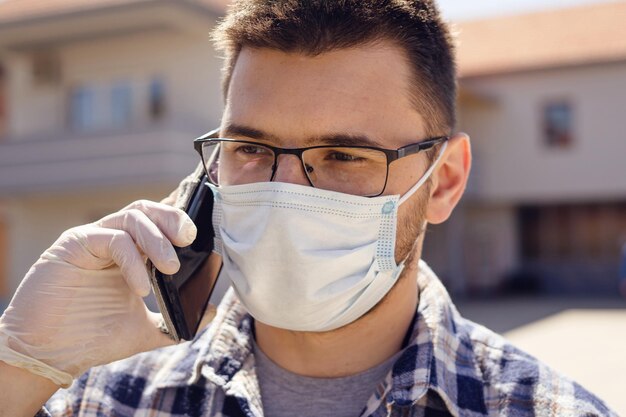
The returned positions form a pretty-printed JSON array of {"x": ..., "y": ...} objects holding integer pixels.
[{"x": 359, "y": 91}]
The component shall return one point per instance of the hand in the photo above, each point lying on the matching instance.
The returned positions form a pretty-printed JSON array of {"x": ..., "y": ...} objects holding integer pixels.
[{"x": 80, "y": 304}]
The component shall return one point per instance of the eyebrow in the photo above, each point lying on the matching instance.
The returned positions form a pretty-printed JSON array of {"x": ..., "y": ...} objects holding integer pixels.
[{"x": 339, "y": 139}]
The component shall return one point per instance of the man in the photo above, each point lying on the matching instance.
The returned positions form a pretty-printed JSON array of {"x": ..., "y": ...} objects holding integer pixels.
[{"x": 335, "y": 151}]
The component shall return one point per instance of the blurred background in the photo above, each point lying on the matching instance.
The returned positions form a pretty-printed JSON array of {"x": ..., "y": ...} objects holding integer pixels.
[{"x": 100, "y": 99}]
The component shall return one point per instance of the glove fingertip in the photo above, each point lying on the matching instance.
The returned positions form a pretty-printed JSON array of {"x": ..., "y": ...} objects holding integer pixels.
[
  {"x": 142, "y": 287},
  {"x": 138, "y": 282},
  {"x": 187, "y": 232}
]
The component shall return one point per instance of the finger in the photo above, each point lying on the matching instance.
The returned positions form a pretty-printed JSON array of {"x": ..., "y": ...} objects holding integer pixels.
[
  {"x": 173, "y": 222},
  {"x": 119, "y": 246},
  {"x": 148, "y": 237},
  {"x": 125, "y": 254}
]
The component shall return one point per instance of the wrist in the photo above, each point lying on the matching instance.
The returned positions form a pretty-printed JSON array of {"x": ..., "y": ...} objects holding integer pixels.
[
  {"x": 22, "y": 393},
  {"x": 34, "y": 366}
]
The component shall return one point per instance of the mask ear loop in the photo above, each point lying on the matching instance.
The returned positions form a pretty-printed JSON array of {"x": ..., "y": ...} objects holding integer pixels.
[{"x": 425, "y": 177}]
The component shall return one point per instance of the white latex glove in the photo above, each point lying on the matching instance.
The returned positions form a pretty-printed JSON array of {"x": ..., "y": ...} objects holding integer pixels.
[{"x": 80, "y": 304}]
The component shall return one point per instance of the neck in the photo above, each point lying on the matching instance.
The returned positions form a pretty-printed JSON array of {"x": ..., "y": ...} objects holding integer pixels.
[{"x": 349, "y": 350}]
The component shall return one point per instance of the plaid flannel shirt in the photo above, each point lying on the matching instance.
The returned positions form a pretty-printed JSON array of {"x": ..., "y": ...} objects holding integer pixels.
[{"x": 450, "y": 367}]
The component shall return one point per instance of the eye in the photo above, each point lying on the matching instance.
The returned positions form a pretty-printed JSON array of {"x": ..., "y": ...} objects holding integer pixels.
[
  {"x": 342, "y": 156},
  {"x": 252, "y": 149},
  {"x": 246, "y": 150}
]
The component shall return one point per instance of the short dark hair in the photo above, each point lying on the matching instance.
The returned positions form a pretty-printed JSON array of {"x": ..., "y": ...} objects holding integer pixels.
[{"x": 313, "y": 27}]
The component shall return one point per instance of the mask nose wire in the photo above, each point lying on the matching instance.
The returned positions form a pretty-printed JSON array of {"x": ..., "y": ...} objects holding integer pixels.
[{"x": 425, "y": 177}]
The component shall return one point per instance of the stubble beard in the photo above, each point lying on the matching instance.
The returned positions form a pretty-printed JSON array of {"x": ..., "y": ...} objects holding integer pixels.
[
  {"x": 409, "y": 232},
  {"x": 411, "y": 229}
]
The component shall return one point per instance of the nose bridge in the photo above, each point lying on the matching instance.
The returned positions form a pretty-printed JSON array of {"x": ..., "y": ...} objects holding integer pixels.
[{"x": 289, "y": 169}]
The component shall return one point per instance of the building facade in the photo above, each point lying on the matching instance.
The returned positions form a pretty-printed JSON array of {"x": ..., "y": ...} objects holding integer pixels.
[
  {"x": 543, "y": 97},
  {"x": 99, "y": 104}
]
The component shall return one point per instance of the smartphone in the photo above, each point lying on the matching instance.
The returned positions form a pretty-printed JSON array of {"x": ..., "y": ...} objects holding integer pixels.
[{"x": 184, "y": 296}]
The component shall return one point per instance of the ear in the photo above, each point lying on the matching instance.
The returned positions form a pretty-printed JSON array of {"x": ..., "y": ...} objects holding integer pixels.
[{"x": 449, "y": 179}]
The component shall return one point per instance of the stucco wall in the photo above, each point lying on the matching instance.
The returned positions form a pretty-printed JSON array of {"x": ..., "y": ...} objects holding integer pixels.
[
  {"x": 512, "y": 163},
  {"x": 34, "y": 223}
]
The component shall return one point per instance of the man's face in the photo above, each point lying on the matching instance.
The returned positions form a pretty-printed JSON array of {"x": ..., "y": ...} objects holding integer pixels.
[{"x": 294, "y": 99}]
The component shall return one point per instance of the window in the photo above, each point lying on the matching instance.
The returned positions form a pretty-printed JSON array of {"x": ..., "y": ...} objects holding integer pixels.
[
  {"x": 82, "y": 108},
  {"x": 557, "y": 124},
  {"x": 156, "y": 105},
  {"x": 121, "y": 105},
  {"x": 112, "y": 105},
  {"x": 105, "y": 106},
  {"x": 46, "y": 69},
  {"x": 568, "y": 232}
]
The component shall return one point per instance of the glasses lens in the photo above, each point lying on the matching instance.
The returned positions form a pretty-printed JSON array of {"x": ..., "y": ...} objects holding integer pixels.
[
  {"x": 350, "y": 170},
  {"x": 210, "y": 152},
  {"x": 358, "y": 171},
  {"x": 236, "y": 162}
]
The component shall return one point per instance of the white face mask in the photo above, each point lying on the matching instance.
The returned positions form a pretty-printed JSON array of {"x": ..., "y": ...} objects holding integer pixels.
[{"x": 306, "y": 259}]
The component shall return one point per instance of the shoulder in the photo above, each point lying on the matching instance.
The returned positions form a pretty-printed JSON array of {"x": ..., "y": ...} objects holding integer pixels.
[
  {"x": 134, "y": 383},
  {"x": 172, "y": 362},
  {"x": 516, "y": 383}
]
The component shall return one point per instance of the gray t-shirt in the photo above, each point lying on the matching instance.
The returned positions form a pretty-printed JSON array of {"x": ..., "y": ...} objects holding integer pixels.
[{"x": 284, "y": 393}]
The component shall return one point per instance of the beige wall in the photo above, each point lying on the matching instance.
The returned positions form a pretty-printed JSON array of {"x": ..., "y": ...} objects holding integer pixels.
[
  {"x": 511, "y": 162},
  {"x": 35, "y": 222}
]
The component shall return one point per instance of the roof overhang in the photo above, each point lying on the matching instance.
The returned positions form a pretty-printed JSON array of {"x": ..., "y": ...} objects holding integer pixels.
[
  {"x": 552, "y": 39},
  {"x": 105, "y": 21}
]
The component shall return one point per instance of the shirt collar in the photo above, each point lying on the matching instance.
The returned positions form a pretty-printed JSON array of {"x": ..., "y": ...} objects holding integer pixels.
[
  {"x": 436, "y": 355},
  {"x": 439, "y": 351},
  {"x": 218, "y": 351},
  {"x": 227, "y": 343}
]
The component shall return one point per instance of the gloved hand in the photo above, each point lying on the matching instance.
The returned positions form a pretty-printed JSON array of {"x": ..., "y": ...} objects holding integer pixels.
[{"x": 80, "y": 304}]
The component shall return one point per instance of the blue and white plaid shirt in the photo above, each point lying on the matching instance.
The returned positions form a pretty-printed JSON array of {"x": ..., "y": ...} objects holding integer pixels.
[{"x": 450, "y": 367}]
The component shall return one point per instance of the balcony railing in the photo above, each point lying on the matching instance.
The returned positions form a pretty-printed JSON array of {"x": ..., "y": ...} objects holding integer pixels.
[{"x": 64, "y": 162}]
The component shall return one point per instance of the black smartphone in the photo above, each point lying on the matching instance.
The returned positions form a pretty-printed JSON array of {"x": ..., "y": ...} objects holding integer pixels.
[{"x": 183, "y": 297}]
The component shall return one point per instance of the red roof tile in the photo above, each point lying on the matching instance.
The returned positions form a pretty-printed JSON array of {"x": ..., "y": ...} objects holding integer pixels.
[{"x": 574, "y": 36}]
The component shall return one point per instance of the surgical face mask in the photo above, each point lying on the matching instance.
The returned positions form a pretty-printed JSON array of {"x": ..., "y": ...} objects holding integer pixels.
[{"x": 307, "y": 259}]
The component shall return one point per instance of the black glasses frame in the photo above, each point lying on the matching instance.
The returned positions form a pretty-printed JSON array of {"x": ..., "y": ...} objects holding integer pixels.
[{"x": 391, "y": 154}]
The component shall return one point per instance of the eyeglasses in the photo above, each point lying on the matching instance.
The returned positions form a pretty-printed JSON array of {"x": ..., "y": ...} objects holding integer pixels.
[{"x": 357, "y": 170}]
